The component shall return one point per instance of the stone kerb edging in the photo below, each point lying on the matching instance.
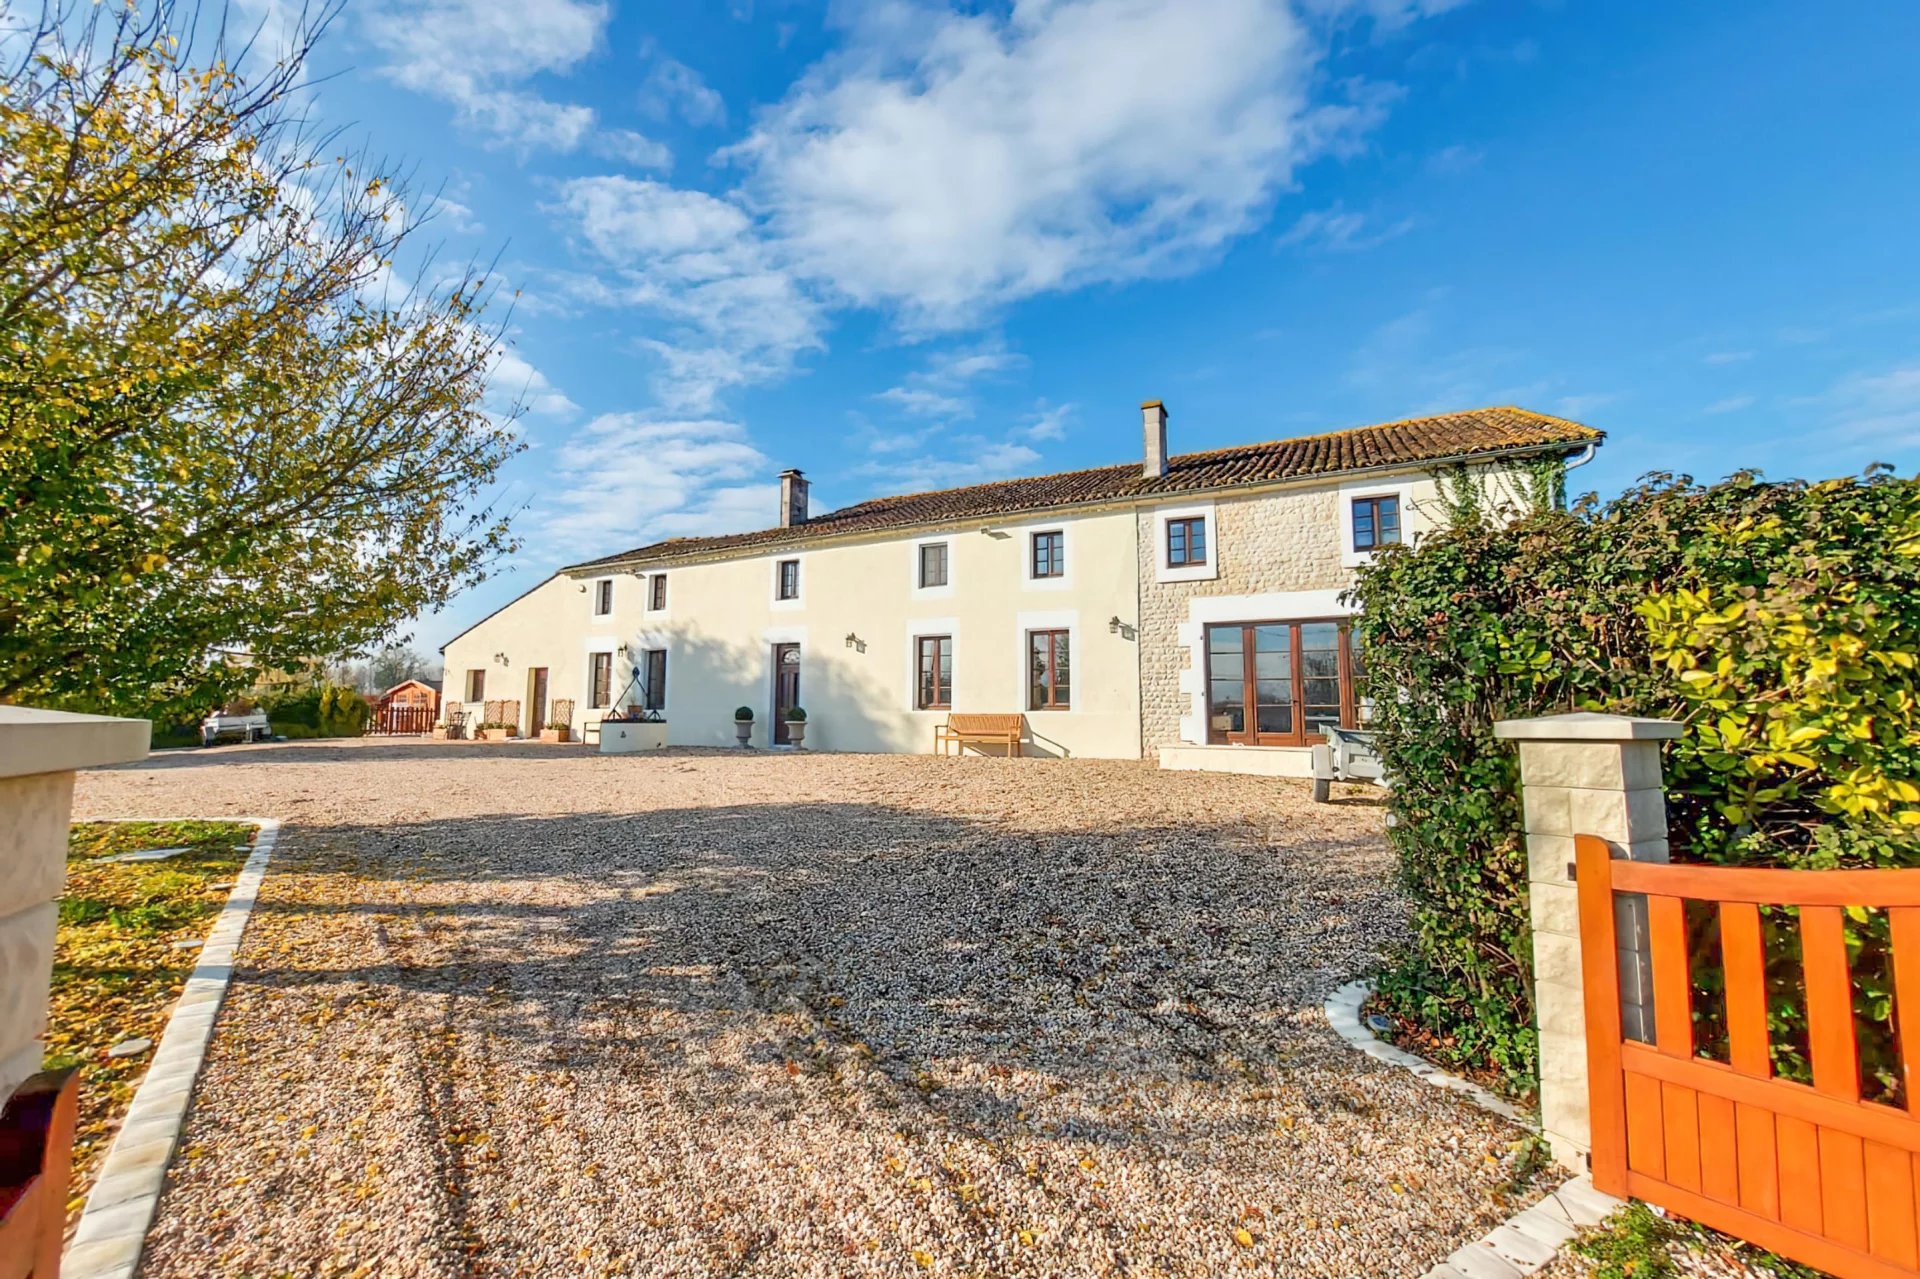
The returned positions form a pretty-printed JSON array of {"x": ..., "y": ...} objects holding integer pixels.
[
  {"x": 1532, "y": 1237},
  {"x": 120, "y": 1208}
]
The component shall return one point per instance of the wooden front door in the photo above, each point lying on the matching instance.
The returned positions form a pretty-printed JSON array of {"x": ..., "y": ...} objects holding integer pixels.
[
  {"x": 786, "y": 688},
  {"x": 1699, "y": 1114},
  {"x": 536, "y": 701}
]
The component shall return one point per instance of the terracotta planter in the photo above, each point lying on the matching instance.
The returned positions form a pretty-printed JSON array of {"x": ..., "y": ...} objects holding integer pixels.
[{"x": 556, "y": 734}]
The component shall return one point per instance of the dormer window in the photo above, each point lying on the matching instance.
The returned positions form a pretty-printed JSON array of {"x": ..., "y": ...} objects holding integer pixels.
[
  {"x": 1376, "y": 522},
  {"x": 603, "y": 597}
]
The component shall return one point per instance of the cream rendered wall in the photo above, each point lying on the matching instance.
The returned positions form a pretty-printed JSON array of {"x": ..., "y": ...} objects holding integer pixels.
[
  {"x": 549, "y": 626},
  {"x": 722, "y": 622}
]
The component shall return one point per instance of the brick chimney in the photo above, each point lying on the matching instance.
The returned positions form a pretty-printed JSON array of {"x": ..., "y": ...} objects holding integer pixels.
[
  {"x": 793, "y": 498},
  {"x": 1153, "y": 416}
]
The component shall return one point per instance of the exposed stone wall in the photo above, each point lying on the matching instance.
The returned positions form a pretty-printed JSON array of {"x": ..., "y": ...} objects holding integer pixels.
[{"x": 1288, "y": 540}]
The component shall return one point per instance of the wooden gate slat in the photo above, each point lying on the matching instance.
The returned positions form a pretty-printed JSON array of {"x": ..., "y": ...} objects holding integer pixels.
[
  {"x": 1904, "y": 922},
  {"x": 1843, "y": 1188},
  {"x": 1646, "y": 1135},
  {"x": 1672, "y": 977},
  {"x": 1600, "y": 989},
  {"x": 1744, "y": 961},
  {"x": 1719, "y": 1150},
  {"x": 1799, "y": 1145},
  {"x": 1680, "y": 1118},
  {"x": 1759, "y": 1160},
  {"x": 1823, "y": 954},
  {"x": 1891, "y": 1230}
]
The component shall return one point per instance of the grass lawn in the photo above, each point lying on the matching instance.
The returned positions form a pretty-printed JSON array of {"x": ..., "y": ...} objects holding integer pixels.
[{"x": 116, "y": 972}]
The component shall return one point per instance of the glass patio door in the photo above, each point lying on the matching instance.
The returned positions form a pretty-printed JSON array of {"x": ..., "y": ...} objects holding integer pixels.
[
  {"x": 1250, "y": 685},
  {"x": 1278, "y": 683}
]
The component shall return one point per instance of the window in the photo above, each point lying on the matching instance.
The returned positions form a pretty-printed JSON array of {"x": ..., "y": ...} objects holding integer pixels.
[
  {"x": 1280, "y": 683},
  {"x": 788, "y": 587},
  {"x": 1376, "y": 522},
  {"x": 1186, "y": 542},
  {"x": 1050, "y": 554},
  {"x": 658, "y": 586},
  {"x": 654, "y": 668},
  {"x": 933, "y": 565},
  {"x": 476, "y": 686},
  {"x": 1049, "y": 671},
  {"x": 603, "y": 597},
  {"x": 934, "y": 689},
  {"x": 600, "y": 680}
]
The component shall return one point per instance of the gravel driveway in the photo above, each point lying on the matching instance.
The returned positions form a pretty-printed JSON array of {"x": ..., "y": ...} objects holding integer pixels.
[{"x": 522, "y": 1010}]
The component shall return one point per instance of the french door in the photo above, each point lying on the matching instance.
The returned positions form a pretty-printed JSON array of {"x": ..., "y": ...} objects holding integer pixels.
[{"x": 1279, "y": 683}]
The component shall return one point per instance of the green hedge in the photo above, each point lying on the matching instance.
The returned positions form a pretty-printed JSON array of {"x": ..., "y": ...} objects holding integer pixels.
[
  {"x": 1778, "y": 621},
  {"x": 330, "y": 710}
]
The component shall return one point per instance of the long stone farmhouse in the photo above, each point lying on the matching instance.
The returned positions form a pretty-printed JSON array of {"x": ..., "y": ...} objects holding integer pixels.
[{"x": 1182, "y": 606}]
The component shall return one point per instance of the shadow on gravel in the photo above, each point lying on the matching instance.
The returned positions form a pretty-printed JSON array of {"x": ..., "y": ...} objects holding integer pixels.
[{"x": 975, "y": 966}]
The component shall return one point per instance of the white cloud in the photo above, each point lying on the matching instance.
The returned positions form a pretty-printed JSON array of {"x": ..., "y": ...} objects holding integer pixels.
[
  {"x": 1879, "y": 409},
  {"x": 1049, "y": 422},
  {"x": 1454, "y": 160},
  {"x": 1726, "y": 357},
  {"x": 1335, "y": 230},
  {"x": 946, "y": 163},
  {"x": 923, "y": 402},
  {"x": 1388, "y": 15},
  {"x": 734, "y": 317},
  {"x": 478, "y": 55},
  {"x": 674, "y": 88},
  {"x": 636, "y": 149},
  {"x": 940, "y": 388},
  {"x": 1731, "y": 404},
  {"x": 630, "y": 478},
  {"x": 512, "y": 380}
]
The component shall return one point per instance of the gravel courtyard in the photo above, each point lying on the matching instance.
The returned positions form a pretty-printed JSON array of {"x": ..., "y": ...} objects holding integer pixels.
[{"x": 523, "y": 1010}]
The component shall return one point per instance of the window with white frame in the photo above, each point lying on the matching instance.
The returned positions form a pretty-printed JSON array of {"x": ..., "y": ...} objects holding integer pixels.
[
  {"x": 787, "y": 580},
  {"x": 657, "y": 592},
  {"x": 603, "y": 597}
]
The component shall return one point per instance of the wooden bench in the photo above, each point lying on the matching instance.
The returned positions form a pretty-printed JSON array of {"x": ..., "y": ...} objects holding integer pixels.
[{"x": 998, "y": 730}]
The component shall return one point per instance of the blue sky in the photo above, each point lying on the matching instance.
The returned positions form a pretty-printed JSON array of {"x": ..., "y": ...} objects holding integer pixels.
[{"x": 905, "y": 245}]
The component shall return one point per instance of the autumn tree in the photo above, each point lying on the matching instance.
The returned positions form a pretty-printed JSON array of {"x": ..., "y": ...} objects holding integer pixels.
[{"x": 229, "y": 441}]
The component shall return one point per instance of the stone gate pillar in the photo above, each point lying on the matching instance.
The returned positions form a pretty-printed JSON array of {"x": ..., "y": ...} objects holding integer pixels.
[
  {"x": 1585, "y": 774},
  {"x": 39, "y": 753}
]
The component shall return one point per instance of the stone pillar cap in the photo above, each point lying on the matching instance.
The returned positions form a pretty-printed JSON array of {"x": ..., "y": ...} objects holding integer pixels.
[
  {"x": 36, "y": 741},
  {"x": 1587, "y": 726}
]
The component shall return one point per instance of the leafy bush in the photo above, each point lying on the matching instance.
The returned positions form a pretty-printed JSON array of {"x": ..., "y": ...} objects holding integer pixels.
[
  {"x": 743, "y": 715},
  {"x": 330, "y": 710},
  {"x": 1776, "y": 621}
]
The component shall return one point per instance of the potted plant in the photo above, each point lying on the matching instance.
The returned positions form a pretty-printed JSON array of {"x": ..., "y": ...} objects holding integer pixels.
[
  {"x": 743, "y": 725},
  {"x": 557, "y": 730},
  {"x": 797, "y": 725}
]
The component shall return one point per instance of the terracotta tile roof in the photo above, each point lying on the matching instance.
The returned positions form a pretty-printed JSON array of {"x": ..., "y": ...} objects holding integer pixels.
[{"x": 1473, "y": 432}]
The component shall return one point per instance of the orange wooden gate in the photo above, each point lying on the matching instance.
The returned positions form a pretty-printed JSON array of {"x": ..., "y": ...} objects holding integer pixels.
[{"x": 1810, "y": 1171}]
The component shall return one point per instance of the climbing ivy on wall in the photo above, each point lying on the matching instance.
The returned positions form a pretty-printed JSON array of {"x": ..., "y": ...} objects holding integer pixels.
[{"x": 1780, "y": 622}]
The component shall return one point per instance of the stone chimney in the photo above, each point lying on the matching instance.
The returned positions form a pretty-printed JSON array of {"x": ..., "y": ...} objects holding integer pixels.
[
  {"x": 1154, "y": 422},
  {"x": 793, "y": 498}
]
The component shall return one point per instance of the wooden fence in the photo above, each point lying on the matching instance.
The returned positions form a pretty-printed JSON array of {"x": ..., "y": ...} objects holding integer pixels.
[{"x": 397, "y": 719}]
